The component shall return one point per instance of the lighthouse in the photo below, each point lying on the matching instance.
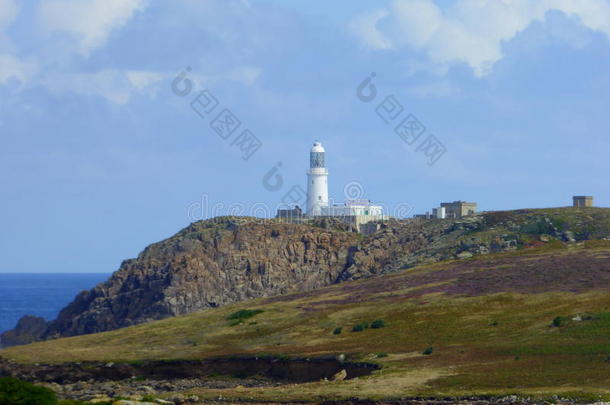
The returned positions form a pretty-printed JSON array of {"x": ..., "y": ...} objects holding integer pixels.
[
  {"x": 358, "y": 213},
  {"x": 317, "y": 181}
]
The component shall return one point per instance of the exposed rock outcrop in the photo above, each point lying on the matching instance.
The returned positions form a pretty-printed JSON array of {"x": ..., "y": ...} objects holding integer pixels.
[
  {"x": 29, "y": 329},
  {"x": 206, "y": 265}
]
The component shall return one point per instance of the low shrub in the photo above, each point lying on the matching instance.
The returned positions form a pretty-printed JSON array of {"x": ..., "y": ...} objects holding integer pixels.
[
  {"x": 337, "y": 331},
  {"x": 381, "y": 355},
  {"x": 282, "y": 357},
  {"x": 377, "y": 323},
  {"x": 428, "y": 351},
  {"x": 557, "y": 322},
  {"x": 360, "y": 327},
  {"x": 17, "y": 392},
  {"x": 244, "y": 314}
]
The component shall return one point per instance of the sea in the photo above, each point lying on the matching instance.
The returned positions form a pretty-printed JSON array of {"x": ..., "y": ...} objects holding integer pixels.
[{"x": 40, "y": 294}]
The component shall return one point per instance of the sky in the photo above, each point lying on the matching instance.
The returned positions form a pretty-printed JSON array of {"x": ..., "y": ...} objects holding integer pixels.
[{"x": 114, "y": 131}]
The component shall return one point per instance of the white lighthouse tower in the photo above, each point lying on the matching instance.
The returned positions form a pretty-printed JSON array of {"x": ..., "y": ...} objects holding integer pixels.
[{"x": 317, "y": 181}]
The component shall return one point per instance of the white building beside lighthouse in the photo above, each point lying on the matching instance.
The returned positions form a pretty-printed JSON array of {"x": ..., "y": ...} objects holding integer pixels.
[{"x": 317, "y": 181}]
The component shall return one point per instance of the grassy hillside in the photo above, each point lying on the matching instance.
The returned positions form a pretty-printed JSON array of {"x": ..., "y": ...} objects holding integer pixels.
[
  {"x": 534, "y": 322},
  {"x": 225, "y": 260}
]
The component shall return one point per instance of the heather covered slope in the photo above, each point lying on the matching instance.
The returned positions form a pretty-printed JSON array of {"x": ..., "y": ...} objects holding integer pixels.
[
  {"x": 227, "y": 260},
  {"x": 533, "y": 321}
]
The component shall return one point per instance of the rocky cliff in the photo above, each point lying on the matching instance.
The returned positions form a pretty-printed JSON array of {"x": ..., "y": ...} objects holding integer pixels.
[
  {"x": 225, "y": 260},
  {"x": 208, "y": 264}
]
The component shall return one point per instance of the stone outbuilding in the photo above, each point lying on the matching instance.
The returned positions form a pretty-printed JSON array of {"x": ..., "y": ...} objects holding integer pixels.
[
  {"x": 459, "y": 209},
  {"x": 582, "y": 201}
]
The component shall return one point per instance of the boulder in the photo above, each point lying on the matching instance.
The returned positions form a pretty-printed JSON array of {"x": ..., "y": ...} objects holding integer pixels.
[
  {"x": 568, "y": 236},
  {"x": 464, "y": 255},
  {"x": 340, "y": 376}
]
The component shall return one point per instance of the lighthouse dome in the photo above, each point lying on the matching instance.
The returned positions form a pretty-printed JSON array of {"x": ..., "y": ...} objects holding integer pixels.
[{"x": 317, "y": 147}]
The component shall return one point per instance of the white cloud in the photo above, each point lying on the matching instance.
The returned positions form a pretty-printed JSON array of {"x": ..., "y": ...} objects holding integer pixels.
[
  {"x": 470, "y": 31},
  {"x": 91, "y": 21},
  {"x": 365, "y": 26},
  {"x": 119, "y": 86},
  {"x": 419, "y": 21},
  {"x": 62, "y": 29},
  {"x": 8, "y": 12},
  {"x": 245, "y": 74},
  {"x": 141, "y": 79},
  {"x": 12, "y": 67},
  {"x": 114, "y": 85}
]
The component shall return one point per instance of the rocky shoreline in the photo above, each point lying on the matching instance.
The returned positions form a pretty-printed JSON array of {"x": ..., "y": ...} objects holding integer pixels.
[
  {"x": 293, "y": 370},
  {"x": 136, "y": 389},
  {"x": 166, "y": 384},
  {"x": 140, "y": 392},
  {"x": 97, "y": 381}
]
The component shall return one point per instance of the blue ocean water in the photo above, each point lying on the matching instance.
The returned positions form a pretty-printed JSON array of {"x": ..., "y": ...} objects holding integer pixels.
[{"x": 40, "y": 294}]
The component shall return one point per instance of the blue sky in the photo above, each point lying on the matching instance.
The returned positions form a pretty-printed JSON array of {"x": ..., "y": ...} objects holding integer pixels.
[{"x": 99, "y": 157}]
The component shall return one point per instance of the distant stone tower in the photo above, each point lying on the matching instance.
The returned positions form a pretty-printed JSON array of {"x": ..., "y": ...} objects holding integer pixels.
[{"x": 317, "y": 181}]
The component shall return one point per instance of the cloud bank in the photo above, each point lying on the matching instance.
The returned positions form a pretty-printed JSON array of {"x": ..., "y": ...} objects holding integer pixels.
[
  {"x": 90, "y": 21},
  {"x": 470, "y": 31}
]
